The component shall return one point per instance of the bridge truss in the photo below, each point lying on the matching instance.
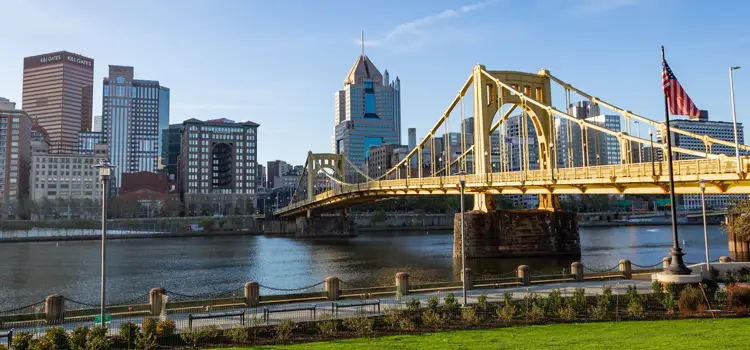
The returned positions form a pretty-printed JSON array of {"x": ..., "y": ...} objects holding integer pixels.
[{"x": 513, "y": 165}]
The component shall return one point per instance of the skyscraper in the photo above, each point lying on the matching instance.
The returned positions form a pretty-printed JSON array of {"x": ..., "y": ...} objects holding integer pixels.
[
  {"x": 58, "y": 90},
  {"x": 603, "y": 149},
  {"x": 703, "y": 126},
  {"x": 15, "y": 153},
  {"x": 569, "y": 141},
  {"x": 412, "y": 143},
  {"x": 368, "y": 112},
  {"x": 97, "y": 123},
  {"x": 134, "y": 114}
]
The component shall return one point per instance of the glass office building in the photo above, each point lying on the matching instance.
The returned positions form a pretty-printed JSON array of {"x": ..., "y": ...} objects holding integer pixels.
[
  {"x": 367, "y": 112},
  {"x": 134, "y": 114}
]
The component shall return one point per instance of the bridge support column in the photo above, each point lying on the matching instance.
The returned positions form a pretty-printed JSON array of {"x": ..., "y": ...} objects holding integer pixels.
[
  {"x": 549, "y": 202},
  {"x": 329, "y": 226},
  {"x": 508, "y": 233}
]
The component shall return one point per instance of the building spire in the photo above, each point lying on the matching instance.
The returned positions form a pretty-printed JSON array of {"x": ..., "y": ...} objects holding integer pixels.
[{"x": 362, "y": 41}]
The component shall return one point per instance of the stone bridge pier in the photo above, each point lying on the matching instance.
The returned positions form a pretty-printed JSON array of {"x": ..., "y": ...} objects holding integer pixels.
[
  {"x": 325, "y": 226},
  {"x": 513, "y": 233}
]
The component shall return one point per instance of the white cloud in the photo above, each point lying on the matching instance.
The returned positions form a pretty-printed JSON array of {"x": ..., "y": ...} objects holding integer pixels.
[{"x": 415, "y": 30}]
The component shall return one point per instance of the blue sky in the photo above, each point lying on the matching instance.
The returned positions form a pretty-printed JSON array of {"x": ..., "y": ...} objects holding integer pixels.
[{"x": 278, "y": 63}]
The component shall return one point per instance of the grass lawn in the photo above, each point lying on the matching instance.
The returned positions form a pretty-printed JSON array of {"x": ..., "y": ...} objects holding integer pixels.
[{"x": 674, "y": 334}]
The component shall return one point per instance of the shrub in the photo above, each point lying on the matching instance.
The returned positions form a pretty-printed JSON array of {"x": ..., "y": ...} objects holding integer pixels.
[
  {"x": 191, "y": 337},
  {"x": 738, "y": 295},
  {"x": 469, "y": 315},
  {"x": 78, "y": 338},
  {"x": 657, "y": 289},
  {"x": 406, "y": 325},
  {"x": 484, "y": 309},
  {"x": 690, "y": 300},
  {"x": 672, "y": 289},
  {"x": 451, "y": 306},
  {"x": 3, "y": 347},
  {"x": 22, "y": 340},
  {"x": 709, "y": 287},
  {"x": 537, "y": 313},
  {"x": 391, "y": 317},
  {"x": 567, "y": 312},
  {"x": 145, "y": 341},
  {"x": 730, "y": 277},
  {"x": 97, "y": 339},
  {"x": 239, "y": 335},
  {"x": 284, "y": 330},
  {"x": 327, "y": 325},
  {"x": 433, "y": 318},
  {"x": 636, "y": 308},
  {"x": 433, "y": 303},
  {"x": 210, "y": 332},
  {"x": 362, "y": 325},
  {"x": 579, "y": 301},
  {"x": 669, "y": 303},
  {"x": 722, "y": 296},
  {"x": 129, "y": 331},
  {"x": 58, "y": 338},
  {"x": 148, "y": 326},
  {"x": 413, "y": 305},
  {"x": 554, "y": 301},
  {"x": 165, "y": 328},
  {"x": 601, "y": 309},
  {"x": 507, "y": 313},
  {"x": 632, "y": 293}
]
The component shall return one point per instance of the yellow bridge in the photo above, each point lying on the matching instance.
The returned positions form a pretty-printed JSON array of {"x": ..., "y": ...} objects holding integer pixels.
[{"x": 331, "y": 181}]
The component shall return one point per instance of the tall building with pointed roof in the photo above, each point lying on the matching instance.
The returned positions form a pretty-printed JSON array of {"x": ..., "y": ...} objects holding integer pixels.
[{"x": 367, "y": 111}]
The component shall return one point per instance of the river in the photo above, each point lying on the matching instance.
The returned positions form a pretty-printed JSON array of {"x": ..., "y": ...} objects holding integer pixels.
[{"x": 196, "y": 265}]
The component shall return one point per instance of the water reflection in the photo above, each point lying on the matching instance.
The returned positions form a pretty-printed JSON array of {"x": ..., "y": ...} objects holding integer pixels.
[{"x": 196, "y": 265}]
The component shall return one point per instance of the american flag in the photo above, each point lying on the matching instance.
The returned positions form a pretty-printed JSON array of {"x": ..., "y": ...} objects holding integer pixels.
[{"x": 679, "y": 101}]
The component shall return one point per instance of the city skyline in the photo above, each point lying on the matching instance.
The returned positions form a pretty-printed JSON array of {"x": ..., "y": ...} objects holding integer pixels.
[{"x": 251, "y": 81}]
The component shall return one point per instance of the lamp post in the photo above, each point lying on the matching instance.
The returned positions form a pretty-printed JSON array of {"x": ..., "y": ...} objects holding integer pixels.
[
  {"x": 705, "y": 229},
  {"x": 462, "y": 186},
  {"x": 734, "y": 120},
  {"x": 651, "y": 149},
  {"x": 105, "y": 169}
]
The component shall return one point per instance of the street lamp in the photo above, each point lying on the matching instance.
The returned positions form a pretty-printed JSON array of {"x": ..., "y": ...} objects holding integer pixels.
[
  {"x": 105, "y": 169},
  {"x": 734, "y": 120},
  {"x": 651, "y": 149},
  {"x": 462, "y": 186},
  {"x": 702, "y": 183}
]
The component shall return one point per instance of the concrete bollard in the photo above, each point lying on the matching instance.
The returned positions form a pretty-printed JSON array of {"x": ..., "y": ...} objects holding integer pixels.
[
  {"x": 332, "y": 288},
  {"x": 524, "y": 275},
  {"x": 402, "y": 283},
  {"x": 576, "y": 269},
  {"x": 626, "y": 268},
  {"x": 55, "y": 308},
  {"x": 667, "y": 261},
  {"x": 469, "y": 277},
  {"x": 155, "y": 300},
  {"x": 252, "y": 294},
  {"x": 725, "y": 259}
]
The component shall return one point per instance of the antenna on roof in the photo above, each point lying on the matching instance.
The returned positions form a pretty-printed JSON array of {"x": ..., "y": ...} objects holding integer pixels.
[{"x": 363, "y": 43}]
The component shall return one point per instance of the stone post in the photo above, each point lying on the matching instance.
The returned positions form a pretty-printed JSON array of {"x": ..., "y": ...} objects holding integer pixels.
[
  {"x": 667, "y": 261},
  {"x": 626, "y": 268},
  {"x": 402, "y": 283},
  {"x": 155, "y": 300},
  {"x": 55, "y": 308},
  {"x": 332, "y": 288},
  {"x": 576, "y": 269},
  {"x": 725, "y": 259},
  {"x": 524, "y": 275},
  {"x": 469, "y": 276},
  {"x": 252, "y": 294}
]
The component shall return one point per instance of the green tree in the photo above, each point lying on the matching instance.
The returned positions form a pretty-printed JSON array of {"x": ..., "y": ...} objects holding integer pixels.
[{"x": 738, "y": 220}]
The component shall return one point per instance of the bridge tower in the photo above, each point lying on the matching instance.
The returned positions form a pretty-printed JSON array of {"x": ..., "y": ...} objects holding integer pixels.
[
  {"x": 492, "y": 92},
  {"x": 489, "y": 233},
  {"x": 312, "y": 225}
]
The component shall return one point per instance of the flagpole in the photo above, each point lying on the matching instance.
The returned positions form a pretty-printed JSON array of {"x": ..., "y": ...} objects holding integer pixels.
[{"x": 677, "y": 267}]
